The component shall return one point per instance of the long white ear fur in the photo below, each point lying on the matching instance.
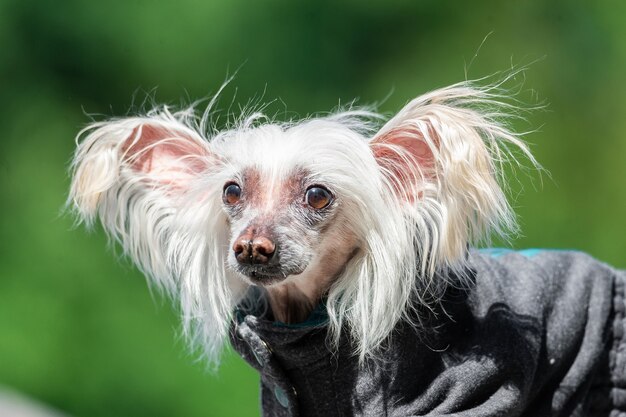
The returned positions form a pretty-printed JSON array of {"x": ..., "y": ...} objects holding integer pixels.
[
  {"x": 444, "y": 151},
  {"x": 130, "y": 173}
]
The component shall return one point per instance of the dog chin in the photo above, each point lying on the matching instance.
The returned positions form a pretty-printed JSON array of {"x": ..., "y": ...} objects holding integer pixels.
[{"x": 264, "y": 280}]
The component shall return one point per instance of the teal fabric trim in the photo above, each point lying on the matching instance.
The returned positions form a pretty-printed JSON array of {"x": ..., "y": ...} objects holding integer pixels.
[
  {"x": 529, "y": 253},
  {"x": 239, "y": 315}
]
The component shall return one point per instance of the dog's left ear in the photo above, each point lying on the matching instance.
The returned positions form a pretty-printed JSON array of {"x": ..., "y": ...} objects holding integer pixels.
[{"x": 441, "y": 155}]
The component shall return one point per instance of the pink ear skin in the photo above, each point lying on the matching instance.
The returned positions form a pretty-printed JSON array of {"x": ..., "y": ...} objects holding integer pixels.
[
  {"x": 165, "y": 156},
  {"x": 405, "y": 158}
]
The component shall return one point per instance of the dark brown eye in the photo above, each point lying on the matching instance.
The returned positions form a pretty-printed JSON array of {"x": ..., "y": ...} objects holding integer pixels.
[
  {"x": 232, "y": 193},
  {"x": 318, "y": 197}
]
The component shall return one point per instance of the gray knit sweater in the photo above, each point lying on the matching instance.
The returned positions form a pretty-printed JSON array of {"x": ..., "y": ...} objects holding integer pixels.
[{"x": 537, "y": 333}]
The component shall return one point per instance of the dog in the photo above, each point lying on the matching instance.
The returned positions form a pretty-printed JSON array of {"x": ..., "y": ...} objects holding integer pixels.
[{"x": 338, "y": 258}]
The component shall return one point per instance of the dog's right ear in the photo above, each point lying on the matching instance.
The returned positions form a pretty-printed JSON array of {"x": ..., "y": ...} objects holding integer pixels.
[
  {"x": 158, "y": 153},
  {"x": 149, "y": 180},
  {"x": 133, "y": 175}
]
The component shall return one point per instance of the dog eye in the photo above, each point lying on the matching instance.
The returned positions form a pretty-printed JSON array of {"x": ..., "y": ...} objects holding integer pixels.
[
  {"x": 232, "y": 193},
  {"x": 318, "y": 197}
]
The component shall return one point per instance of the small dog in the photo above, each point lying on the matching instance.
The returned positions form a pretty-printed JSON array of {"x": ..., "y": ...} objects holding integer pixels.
[{"x": 331, "y": 235}]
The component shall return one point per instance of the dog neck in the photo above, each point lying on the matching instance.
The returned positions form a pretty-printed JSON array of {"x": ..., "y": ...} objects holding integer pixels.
[
  {"x": 293, "y": 300},
  {"x": 290, "y": 304}
]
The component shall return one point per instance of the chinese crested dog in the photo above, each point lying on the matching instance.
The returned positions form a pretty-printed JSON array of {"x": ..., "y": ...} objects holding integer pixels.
[{"x": 337, "y": 258}]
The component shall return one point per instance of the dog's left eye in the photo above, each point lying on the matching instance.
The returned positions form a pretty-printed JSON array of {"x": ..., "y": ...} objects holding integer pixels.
[{"x": 318, "y": 197}]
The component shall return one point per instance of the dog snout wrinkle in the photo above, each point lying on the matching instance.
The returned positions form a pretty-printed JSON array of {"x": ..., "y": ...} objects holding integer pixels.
[{"x": 254, "y": 251}]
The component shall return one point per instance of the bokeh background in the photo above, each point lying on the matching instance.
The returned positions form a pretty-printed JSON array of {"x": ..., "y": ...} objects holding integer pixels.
[{"x": 78, "y": 328}]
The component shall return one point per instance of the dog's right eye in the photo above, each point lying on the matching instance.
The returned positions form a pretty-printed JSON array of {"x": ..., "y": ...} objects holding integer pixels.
[{"x": 232, "y": 193}]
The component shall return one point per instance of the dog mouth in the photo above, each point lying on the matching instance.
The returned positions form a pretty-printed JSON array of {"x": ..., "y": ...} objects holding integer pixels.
[
  {"x": 264, "y": 279},
  {"x": 263, "y": 276}
]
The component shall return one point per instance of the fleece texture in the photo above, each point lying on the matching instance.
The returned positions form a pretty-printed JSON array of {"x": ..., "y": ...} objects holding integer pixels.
[{"x": 533, "y": 333}]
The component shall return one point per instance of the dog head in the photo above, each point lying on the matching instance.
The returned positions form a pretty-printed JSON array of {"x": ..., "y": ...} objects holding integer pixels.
[{"x": 364, "y": 217}]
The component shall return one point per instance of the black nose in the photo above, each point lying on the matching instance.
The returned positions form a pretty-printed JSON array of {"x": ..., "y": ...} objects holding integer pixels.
[{"x": 257, "y": 251}]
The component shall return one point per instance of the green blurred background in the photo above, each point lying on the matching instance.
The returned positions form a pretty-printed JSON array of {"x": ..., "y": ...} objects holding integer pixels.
[{"x": 78, "y": 328}]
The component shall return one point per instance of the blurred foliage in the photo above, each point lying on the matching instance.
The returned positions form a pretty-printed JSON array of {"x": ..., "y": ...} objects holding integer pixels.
[{"x": 80, "y": 330}]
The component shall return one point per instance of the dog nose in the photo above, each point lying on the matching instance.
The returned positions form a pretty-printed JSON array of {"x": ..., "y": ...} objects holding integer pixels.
[{"x": 257, "y": 251}]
